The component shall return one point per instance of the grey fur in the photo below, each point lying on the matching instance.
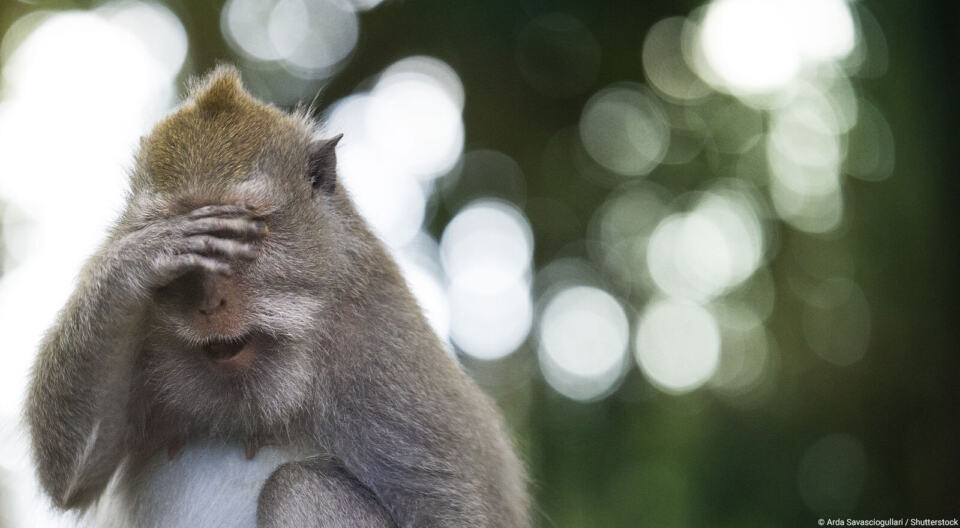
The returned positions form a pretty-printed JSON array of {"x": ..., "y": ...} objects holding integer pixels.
[
  {"x": 347, "y": 375},
  {"x": 316, "y": 492}
]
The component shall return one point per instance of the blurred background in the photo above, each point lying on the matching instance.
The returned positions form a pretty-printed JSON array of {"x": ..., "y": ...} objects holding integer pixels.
[{"x": 700, "y": 252}]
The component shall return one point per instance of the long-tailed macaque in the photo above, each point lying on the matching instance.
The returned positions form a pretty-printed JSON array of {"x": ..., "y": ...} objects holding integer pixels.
[{"x": 242, "y": 351}]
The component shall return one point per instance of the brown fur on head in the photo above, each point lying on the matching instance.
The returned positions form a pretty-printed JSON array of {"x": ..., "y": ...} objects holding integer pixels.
[{"x": 220, "y": 134}]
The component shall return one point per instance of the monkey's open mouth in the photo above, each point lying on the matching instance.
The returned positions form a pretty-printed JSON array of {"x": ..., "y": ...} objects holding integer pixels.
[{"x": 231, "y": 354}]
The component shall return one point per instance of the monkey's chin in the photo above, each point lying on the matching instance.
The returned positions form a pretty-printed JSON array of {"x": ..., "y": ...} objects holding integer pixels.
[{"x": 231, "y": 355}]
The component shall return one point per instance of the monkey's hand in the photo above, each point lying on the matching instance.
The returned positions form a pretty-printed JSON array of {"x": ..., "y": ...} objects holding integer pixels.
[{"x": 209, "y": 239}]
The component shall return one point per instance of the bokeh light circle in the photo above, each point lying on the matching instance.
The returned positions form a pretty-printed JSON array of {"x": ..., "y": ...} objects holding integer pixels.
[
  {"x": 625, "y": 130},
  {"x": 487, "y": 246},
  {"x": 415, "y": 120},
  {"x": 677, "y": 345},
  {"x": 748, "y": 45},
  {"x": 489, "y": 325},
  {"x": 156, "y": 26},
  {"x": 393, "y": 203},
  {"x": 703, "y": 253},
  {"x": 759, "y": 47},
  {"x": 307, "y": 38},
  {"x": 664, "y": 63},
  {"x": 583, "y": 339},
  {"x": 486, "y": 252}
]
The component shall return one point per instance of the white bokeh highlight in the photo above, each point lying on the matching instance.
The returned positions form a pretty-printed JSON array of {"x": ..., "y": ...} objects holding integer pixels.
[
  {"x": 625, "y": 130},
  {"x": 583, "y": 342},
  {"x": 414, "y": 119},
  {"x": 703, "y": 253},
  {"x": 750, "y": 47},
  {"x": 677, "y": 345},
  {"x": 486, "y": 251},
  {"x": 307, "y": 38},
  {"x": 487, "y": 246}
]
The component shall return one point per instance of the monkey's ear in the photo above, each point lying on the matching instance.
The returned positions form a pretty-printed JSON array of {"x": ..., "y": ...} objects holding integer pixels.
[{"x": 322, "y": 169}]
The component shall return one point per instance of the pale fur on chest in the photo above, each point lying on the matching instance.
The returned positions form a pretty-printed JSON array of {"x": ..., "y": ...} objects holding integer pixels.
[{"x": 209, "y": 484}]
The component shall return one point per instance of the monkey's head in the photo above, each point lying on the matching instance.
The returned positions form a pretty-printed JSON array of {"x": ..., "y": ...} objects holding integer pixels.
[{"x": 245, "y": 343}]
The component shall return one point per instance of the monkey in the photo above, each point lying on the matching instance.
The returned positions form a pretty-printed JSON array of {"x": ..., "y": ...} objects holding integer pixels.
[{"x": 242, "y": 351}]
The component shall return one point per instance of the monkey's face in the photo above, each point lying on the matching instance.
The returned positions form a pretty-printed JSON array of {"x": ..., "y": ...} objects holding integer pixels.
[
  {"x": 245, "y": 343},
  {"x": 241, "y": 348}
]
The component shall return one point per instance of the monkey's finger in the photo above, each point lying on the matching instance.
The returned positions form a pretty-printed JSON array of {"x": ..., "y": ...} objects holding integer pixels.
[
  {"x": 240, "y": 227},
  {"x": 221, "y": 210},
  {"x": 175, "y": 265},
  {"x": 211, "y": 245}
]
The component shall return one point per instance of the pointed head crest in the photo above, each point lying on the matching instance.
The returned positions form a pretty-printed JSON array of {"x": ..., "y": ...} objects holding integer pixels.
[
  {"x": 220, "y": 134},
  {"x": 220, "y": 91}
]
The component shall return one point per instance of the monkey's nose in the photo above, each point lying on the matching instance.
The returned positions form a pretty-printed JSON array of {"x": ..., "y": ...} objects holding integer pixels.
[{"x": 212, "y": 306}]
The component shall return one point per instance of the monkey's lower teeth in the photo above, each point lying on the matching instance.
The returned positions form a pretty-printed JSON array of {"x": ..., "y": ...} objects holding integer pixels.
[{"x": 223, "y": 350}]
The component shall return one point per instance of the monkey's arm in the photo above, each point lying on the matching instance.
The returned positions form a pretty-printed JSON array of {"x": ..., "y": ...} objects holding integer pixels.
[
  {"x": 77, "y": 403},
  {"x": 318, "y": 493},
  {"x": 79, "y": 391}
]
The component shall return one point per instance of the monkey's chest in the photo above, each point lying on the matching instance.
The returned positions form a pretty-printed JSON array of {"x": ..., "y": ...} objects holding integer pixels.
[{"x": 208, "y": 484}]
